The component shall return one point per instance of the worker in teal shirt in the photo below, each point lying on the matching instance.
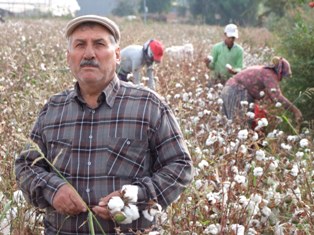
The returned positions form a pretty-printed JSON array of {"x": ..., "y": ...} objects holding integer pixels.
[{"x": 226, "y": 57}]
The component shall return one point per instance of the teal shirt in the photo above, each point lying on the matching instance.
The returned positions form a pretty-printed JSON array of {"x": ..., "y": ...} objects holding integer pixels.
[{"x": 222, "y": 55}]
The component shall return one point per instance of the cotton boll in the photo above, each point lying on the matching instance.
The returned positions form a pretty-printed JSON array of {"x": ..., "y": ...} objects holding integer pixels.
[
  {"x": 304, "y": 143},
  {"x": 240, "y": 179},
  {"x": 260, "y": 155},
  {"x": 213, "y": 229},
  {"x": 250, "y": 115},
  {"x": 278, "y": 105},
  {"x": 262, "y": 94},
  {"x": 243, "y": 134},
  {"x": 243, "y": 149},
  {"x": 131, "y": 211},
  {"x": 130, "y": 192},
  {"x": 238, "y": 229},
  {"x": 299, "y": 155},
  {"x": 258, "y": 171},
  {"x": 115, "y": 204},
  {"x": 203, "y": 164},
  {"x": 266, "y": 211}
]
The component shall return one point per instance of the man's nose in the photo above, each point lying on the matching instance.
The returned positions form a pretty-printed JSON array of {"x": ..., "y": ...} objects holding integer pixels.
[{"x": 89, "y": 53}]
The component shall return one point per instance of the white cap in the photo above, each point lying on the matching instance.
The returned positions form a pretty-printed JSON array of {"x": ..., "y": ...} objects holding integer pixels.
[{"x": 231, "y": 30}]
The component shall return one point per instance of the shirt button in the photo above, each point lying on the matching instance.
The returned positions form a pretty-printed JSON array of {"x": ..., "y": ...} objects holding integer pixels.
[
  {"x": 89, "y": 163},
  {"x": 87, "y": 190},
  {"x": 93, "y": 111},
  {"x": 128, "y": 142},
  {"x": 91, "y": 137}
]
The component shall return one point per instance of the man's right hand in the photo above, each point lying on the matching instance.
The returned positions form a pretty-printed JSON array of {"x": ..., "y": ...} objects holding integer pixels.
[{"x": 68, "y": 202}]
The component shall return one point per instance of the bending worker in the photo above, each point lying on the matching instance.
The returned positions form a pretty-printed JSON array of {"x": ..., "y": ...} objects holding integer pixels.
[
  {"x": 135, "y": 57},
  {"x": 256, "y": 83}
]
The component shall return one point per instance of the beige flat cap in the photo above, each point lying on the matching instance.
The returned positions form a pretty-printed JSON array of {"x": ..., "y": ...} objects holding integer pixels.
[{"x": 104, "y": 21}]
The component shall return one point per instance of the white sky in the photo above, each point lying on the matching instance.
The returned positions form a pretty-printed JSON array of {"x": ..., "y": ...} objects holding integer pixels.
[{"x": 57, "y": 7}]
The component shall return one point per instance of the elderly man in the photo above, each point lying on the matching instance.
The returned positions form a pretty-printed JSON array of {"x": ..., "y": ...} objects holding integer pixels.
[
  {"x": 102, "y": 137},
  {"x": 226, "y": 57}
]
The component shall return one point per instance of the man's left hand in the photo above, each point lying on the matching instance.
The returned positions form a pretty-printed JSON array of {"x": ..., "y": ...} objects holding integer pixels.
[{"x": 102, "y": 208}]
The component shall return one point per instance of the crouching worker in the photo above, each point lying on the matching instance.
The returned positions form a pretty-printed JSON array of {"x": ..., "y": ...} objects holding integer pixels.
[
  {"x": 255, "y": 83},
  {"x": 135, "y": 57},
  {"x": 117, "y": 149}
]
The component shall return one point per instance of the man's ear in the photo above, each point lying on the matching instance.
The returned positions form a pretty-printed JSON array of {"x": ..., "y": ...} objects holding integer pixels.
[{"x": 118, "y": 55}]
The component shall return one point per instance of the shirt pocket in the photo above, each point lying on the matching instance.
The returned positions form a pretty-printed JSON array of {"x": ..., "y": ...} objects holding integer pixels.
[
  {"x": 128, "y": 157},
  {"x": 59, "y": 154}
]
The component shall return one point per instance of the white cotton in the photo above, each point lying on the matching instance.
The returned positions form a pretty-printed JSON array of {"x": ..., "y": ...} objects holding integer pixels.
[
  {"x": 263, "y": 122},
  {"x": 18, "y": 197},
  {"x": 262, "y": 94},
  {"x": 273, "y": 165},
  {"x": 243, "y": 149},
  {"x": 211, "y": 198},
  {"x": 273, "y": 89},
  {"x": 260, "y": 155},
  {"x": 304, "y": 143},
  {"x": 278, "y": 105},
  {"x": 127, "y": 220},
  {"x": 292, "y": 138},
  {"x": 244, "y": 103},
  {"x": 131, "y": 211},
  {"x": 198, "y": 184},
  {"x": 285, "y": 146},
  {"x": 178, "y": 85},
  {"x": 258, "y": 171},
  {"x": 213, "y": 229},
  {"x": 256, "y": 198},
  {"x": 203, "y": 164},
  {"x": 130, "y": 192},
  {"x": 251, "y": 231},
  {"x": 294, "y": 170},
  {"x": 299, "y": 155},
  {"x": 177, "y": 96},
  {"x": 238, "y": 229},
  {"x": 255, "y": 136},
  {"x": 115, "y": 204},
  {"x": 240, "y": 179},
  {"x": 150, "y": 213},
  {"x": 243, "y": 134},
  {"x": 266, "y": 211},
  {"x": 250, "y": 115},
  {"x": 220, "y": 101},
  {"x": 185, "y": 97},
  {"x": 154, "y": 233}
]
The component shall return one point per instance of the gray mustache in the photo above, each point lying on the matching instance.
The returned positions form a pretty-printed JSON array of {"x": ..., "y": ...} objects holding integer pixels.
[{"x": 92, "y": 63}]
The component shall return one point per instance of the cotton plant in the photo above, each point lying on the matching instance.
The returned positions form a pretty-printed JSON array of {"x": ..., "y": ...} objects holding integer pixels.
[{"x": 124, "y": 210}]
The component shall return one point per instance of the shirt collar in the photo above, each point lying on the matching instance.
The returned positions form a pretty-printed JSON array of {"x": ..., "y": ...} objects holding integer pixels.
[{"x": 110, "y": 92}]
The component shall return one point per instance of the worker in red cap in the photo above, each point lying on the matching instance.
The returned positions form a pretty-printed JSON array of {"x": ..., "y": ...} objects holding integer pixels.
[{"x": 135, "y": 57}]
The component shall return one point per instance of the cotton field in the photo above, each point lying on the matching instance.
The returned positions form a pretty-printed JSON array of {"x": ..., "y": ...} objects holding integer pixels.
[{"x": 247, "y": 181}]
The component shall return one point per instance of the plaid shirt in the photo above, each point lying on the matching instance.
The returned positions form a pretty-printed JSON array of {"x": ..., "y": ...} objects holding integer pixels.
[{"x": 132, "y": 137}]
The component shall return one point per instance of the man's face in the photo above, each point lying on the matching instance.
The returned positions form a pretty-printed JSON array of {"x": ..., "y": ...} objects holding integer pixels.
[
  {"x": 229, "y": 41},
  {"x": 92, "y": 55}
]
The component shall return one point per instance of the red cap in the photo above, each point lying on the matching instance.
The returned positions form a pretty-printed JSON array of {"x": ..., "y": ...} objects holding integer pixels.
[{"x": 157, "y": 49}]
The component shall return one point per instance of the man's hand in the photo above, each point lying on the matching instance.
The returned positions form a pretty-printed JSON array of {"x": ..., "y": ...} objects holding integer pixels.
[
  {"x": 68, "y": 202},
  {"x": 102, "y": 209}
]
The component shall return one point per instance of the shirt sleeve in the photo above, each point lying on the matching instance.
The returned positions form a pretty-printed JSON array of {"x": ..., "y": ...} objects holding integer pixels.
[
  {"x": 34, "y": 177},
  {"x": 214, "y": 54},
  {"x": 172, "y": 168}
]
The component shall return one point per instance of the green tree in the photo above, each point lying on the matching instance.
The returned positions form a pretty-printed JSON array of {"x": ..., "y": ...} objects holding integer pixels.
[
  {"x": 243, "y": 12},
  {"x": 296, "y": 40},
  {"x": 124, "y": 8},
  {"x": 154, "y": 6}
]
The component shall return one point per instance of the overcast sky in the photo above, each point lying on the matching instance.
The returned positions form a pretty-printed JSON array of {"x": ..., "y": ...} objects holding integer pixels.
[{"x": 57, "y": 7}]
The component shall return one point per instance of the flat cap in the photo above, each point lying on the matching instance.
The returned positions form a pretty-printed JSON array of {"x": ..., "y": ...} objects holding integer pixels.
[{"x": 104, "y": 21}]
